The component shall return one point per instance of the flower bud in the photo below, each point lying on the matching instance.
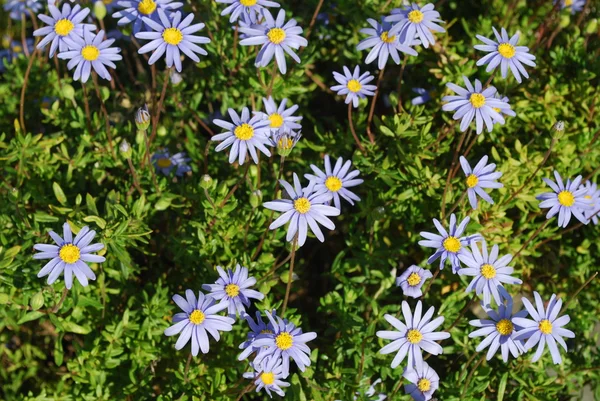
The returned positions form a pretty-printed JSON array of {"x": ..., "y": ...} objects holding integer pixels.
[
  {"x": 559, "y": 126},
  {"x": 125, "y": 148},
  {"x": 68, "y": 92},
  {"x": 99, "y": 9},
  {"x": 256, "y": 198},
  {"x": 206, "y": 181},
  {"x": 37, "y": 301},
  {"x": 176, "y": 77},
  {"x": 142, "y": 118},
  {"x": 285, "y": 141}
]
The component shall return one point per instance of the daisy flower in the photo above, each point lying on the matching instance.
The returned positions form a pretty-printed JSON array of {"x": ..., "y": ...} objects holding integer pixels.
[
  {"x": 199, "y": 316},
  {"x": 287, "y": 341},
  {"x": 424, "y": 96},
  {"x": 382, "y": 44},
  {"x": 574, "y": 5},
  {"x": 416, "y": 22},
  {"x": 354, "y": 85},
  {"x": 269, "y": 375},
  {"x": 18, "y": 8},
  {"x": 172, "y": 36},
  {"x": 249, "y": 10},
  {"x": 545, "y": 328},
  {"x": 70, "y": 255},
  {"x": 448, "y": 244},
  {"x": 62, "y": 24},
  {"x": 499, "y": 331},
  {"x": 136, "y": 10},
  {"x": 257, "y": 329},
  {"x": 336, "y": 182},
  {"x": 505, "y": 53},
  {"x": 489, "y": 272},
  {"x": 280, "y": 117},
  {"x": 276, "y": 39},
  {"x": 474, "y": 102},
  {"x": 234, "y": 287},
  {"x": 414, "y": 336},
  {"x": 566, "y": 200},
  {"x": 90, "y": 52},
  {"x": 244, "y": 135},
  {"x": 592, "y": 194},
  {"x": 412, "y": 280},
  {"x": 482, "y": 176},
  {"x": 285, "y": 141},
  {"x": 165, "y": 163},
  {"x": 305, "y": 209},
  {"x": 503, "y": 111},
  {"x": 422, "y": 382}
]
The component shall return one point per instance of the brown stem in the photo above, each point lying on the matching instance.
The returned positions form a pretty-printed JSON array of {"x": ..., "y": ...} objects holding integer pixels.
[
  {"x": 187, "y": 368},
  {"x": 152, "y": 172},
  {"x": 539, "y": 33},
  {"x": 535, "y": 234},
  {"x": 60, "y": 302},
  {"x": 136, "y": 181},
  {"x": 462, "y": 312},
  {"x": 290, "y": 274},
  {"x": 235, "y": 187},
  {"x": 572, "y": 298},
  {"x": 23, "y": 90},
  {"x": 210, "y": 199},
  {"x": 470, "y": 375},
  {"x": 430, "y": 282},
  {"x": 106, "y": 120},
  {"x": 313, "y": 20},
  {"x": 590, "y": 175},
  {"x": 273, "y": 76},
  {"x": 458, "y": 202},
  {"x": 235, "y": 44},
  {"x": 360, "y": 146},
  {"x": 400, "y": 108},
  {"x": 88, "y": 118},
  {"x": 24, "y": 35},
  {"x": 156, "y": 117},
  {"x": 372, "y": 109},
  {"x": 57, "y": 66},
  {"x": 454, "y": 160}
]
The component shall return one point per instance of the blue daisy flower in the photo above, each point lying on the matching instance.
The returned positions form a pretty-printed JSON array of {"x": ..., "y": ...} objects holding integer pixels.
[
  {"x": 171, "y": 37},
  {"x": 136, "y": 10},
  {"x": 482, "y": 176},
  {"x": 489, "y": 272},
  {"x": 505, "y": 53},
  {"x": 244, "y": 135},
  {"x": 474, "y": 102},
  {"x": 422, "y": 382},
  {"x": 566, "y": 200},
  {"x": 414, "y": 22},
  {"x": 62, "y": 24},
  {"x": 165, "y": 163},
  {"x": 286, "y": 342},
  {"x": 277, "y": 38},
  {"x": 354, "y": 85},
  {"x": 258, "y": 328},
  {"x": 249, "y": 10},
  {"x": 18, "y": 8},
  {"x": 233, "y": 287},
  {"x": 412, "y": 280},
  {"x": 280, "y": 117},
  {"x": 545, "y": 327},
  {"x": 284, "y": 141},
  {"x": 449, "y": 244},
  {"x": 592, "y": 194},
  {"x": 268, "y": 375},
  {"x": 304, "y": 209},
  {"x": 336, "y": 181},
  {"x": 70, "y": 256},
  {"x": 573, "y": 5},
  {"x": 503, "y": 111},
  {"x": 424, "y": 96},
  {"x": 414, "y": 337},
  {"x": 382, "y": 44},
  {"x": 199, "y": 316},
  {"x": 90, "y": 52},
  {"x": 499, "y": 331}
]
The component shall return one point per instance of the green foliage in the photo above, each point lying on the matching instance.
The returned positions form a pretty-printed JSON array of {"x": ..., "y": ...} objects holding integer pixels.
[{"x": 106, "y": 342}]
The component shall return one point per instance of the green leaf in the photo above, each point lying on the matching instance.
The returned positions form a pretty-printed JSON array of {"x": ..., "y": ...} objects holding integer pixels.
[
  {"x": 29, "y": 316},
  {"x": 58, "y": 192},
  {"x": 502, "y": 386}
]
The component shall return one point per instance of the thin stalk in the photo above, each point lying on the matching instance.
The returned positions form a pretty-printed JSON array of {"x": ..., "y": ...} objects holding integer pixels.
[
  {"x": 470, "y": 376},
  {"x": 400, "y": 108},
  {"x": 458, "y": 202},
  {"x": 24, "y": 35},
  {"x": 136, "y": 181},
  {"x": 210, "y": 199},
  {"x": 60, "y": 302},
  {"x": 57, "y": 66},
  {"x": 187, "y": 367},
  {"x": 572, "y": 298},
  {"x": 88, "y": 118},
  {"x": 454, "y": 160},
  {"x": 360, "y": 146},
  {"x": 437, "y": 272},
  {"x": 273, "y": 76},
  {"x": 535, "y": 234},
  {"x": 23, "y": 90},
  {"x": 290, "y": 274},
  {"x": 372, "y": 109},
  {"x": 147, "y": 153},
  {"x": 313, "y": 20},
  {"x": 106, "y": 120},
  {"x": 156, "y": 117}
]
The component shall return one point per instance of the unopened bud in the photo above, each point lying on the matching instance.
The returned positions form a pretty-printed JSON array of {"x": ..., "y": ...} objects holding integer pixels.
[
  {"x": 256, "y": 198},
  {"x": 37, "y": 301},
  {"x": 285, "y": 142},
  {"x": 99, "y": 9},
  {"x": 176, "y": 77},
  {"x": 206, "y": 181},
  {"x": 142, "y": 118},
  {"x": 125, "y": 148},
  {"x": 559, "y": 126}
]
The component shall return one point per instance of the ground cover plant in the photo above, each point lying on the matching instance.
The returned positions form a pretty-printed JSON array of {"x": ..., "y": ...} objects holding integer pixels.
[{"x": 250, "y": 199}]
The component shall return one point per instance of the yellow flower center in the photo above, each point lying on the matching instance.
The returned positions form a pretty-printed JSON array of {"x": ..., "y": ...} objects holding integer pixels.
[
  {"x": 566, "y": 198},
  {"x": 423, "y": 385},
  {"x": 488, "y": 271},
  {"x": 387, "y": 39},
  {"x": 172, "y": 36},
  {"x": 302, "y": 205},
  {"x": 504, "y": 327},
  {"x": 472, "y": 180},
  {"x": 276, "y": 35},
  {"x": 414, "y": 336},
  {"x": 497, "y": 110},
  {"x": 244, "y": 132},
  {"x": 506, "y": 50},
  {"x": 248, "y": 3},
  {"x": 63, "y": 27},
  {"x": 353, "y": 85},
  {"x": 17, "y": 49},
  {"x": 415, "y": 16},
  {"x": 276, "y": 120},
  {"x": 477, "y": 100},
  {"x": 285, "y": 143},
  {"x": 197, "y": 317},
  {"x": 267, "y": 378},
  {"x": 413, "y": 279},
  {"x": 266, "y": 331},
  {"x": 90, "y": 52},
  {"x": 284, "y": 341},
  {"x": 69, "y": 253},
  {"x": 568, "y": 3},
  {"x": 545, "y": 326},
  {"x": 146, "y": 7},
  {"x": 164, "y": 162},
  {"x": 232, "y": 290},
  {"x": 333, "y": 184},
  {"x": 451, "y": 244}
]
